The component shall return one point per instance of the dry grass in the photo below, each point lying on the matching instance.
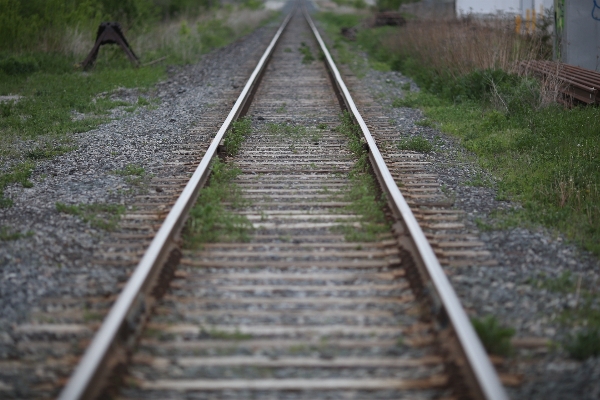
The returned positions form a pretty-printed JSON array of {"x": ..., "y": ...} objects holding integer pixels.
[
  {"x": 461, "y": 46},
  {"x": 180, "y": 39}
]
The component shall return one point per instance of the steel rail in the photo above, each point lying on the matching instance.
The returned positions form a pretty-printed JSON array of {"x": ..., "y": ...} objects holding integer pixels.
[
  {"x": 95, "y": 357},
  {"x": 479, "y": 362}
]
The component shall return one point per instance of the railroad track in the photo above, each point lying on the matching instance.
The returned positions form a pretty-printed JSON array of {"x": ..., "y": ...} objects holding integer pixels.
[{"x": 300, "y": 310}]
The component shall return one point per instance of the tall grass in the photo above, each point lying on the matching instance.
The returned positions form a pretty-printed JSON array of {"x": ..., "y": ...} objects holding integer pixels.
[
  {"x": 458, "y": 47},
  {"x": 543, "y": 155}
]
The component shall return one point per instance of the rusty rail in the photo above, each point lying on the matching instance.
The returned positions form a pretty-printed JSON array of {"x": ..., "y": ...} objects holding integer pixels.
[{"x": 576, "y": 83}]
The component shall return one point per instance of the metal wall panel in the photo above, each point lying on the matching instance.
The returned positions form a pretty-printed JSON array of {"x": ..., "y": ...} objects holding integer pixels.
[{"x": 581, "y": 35}]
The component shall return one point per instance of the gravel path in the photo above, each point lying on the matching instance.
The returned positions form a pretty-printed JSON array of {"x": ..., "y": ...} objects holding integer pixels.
[{"x": 510, "y": 290}]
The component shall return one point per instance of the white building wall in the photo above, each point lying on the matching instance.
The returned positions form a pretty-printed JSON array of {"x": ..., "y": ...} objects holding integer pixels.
[{"x": 464, "y": 7}]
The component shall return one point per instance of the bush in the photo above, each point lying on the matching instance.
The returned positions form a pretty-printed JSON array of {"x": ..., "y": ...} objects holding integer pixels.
[{"x": 13, "y": 65}]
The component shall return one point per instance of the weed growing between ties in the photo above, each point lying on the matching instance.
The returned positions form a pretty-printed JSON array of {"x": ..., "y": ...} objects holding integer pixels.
[
  {"x": 494, "y": 337},
  {"x": 236, "y": 135},
  {"x": 224, "y": 335},
  {"x": 210, "y": 220},
  {"x": 307, "y": 53},
  {"x": 101, "y": 216},
  {"x": 363, "y": 191}
]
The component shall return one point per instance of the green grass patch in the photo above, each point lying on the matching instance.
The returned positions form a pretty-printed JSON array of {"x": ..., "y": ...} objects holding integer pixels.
[
  {"x": 236, "y": 135},
  {"x": 134, "y": 174},
  {"x": 209, "y": 220},
  {"x": 557, "y": 148},
  {"x": 544, "y": 156},
  {"x": 224, "y": 335},
  {"x": 494, "y": 337},
  {"x": 584, "y": 344},
  {"x": 363, "y": 192},
  {"x": 19, "y": 173},
  {"x": 57, "y": 100},
  {"x": 416, "y": 143},
  {"x": 7, "y": 234},
  {"x": 101, "y": 216},
  {"x": 307, "y": 56}
]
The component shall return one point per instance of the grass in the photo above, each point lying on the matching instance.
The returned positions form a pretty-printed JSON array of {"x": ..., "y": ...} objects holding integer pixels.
[
  {"x": 101, "y": 216},
  {"x": 134, "y": 174},
  {"x": 307, "y": 56},
  {"x": 58, "y": 100},
  {"x": 416, "y": 143},
  {"x": 363, "y": 191},
  {"x": 236, "y": 135},
  {"x": 209, "y": 220},
  {"x": 581, "y": 317},
  {"x": 561, "y": 188},
  {"x": 469, "y": 89},
  {"x": 494, "y": 337},
  {"x": 224, "y": 335},
  {"x": 8, "y": 234},
  {"x": 584, "y": 344}
]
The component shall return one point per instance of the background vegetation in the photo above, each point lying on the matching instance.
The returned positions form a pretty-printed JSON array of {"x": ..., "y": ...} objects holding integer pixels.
[
  {"x": 543, "y": 155},
  {"x": 41, "y": 42}
]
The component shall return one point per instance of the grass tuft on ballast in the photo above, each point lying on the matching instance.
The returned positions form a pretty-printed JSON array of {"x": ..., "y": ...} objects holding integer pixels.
[
  {"x": 416, "y": 143},
  {"x": 101, "y": 216},
  {"x": 8, "y": 234},
  {"x": 494, "y": 337},
  {"x": 236, "y": 135},
  {"x": 307, "y": 56},
  {"x": 363, "y": 193},
  {"x": 209, "y": 220}
]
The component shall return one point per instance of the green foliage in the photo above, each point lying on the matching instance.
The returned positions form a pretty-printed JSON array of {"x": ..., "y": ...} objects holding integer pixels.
[
  {"x": 503, "y": 119},
  {"x": 253, "y": 4},
  {"x": 359, "y": 4},
  {"x": 391, "y": 5},
  {"x": 102, "y": 216},
  {"x": 15, "y": 65},
  {"x": 234, "y": 138},
  {"x": 131, "y": 169},
  {"x": 584, "y": 344},
  {"x": 363, "y": 192},
  {"x": 33, "y": 24},
  {"x": 565, "y": 283},
  {"x": 307, "y": 53},
  {"x": 46, "y": 153},
  {"x": 416, "y": 143},
  {"x": 209, "y": 220},
  {"x": 214, "y": 33},
  {"x": 19, "y": 173},
  {"x": 7, "y": 234},
  {"x": 494, "y": 337},
  {"x": 224, "y": 335}
]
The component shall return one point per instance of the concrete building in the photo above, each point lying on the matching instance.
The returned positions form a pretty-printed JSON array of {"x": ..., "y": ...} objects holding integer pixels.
[{"x": 507, "y": 8}]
